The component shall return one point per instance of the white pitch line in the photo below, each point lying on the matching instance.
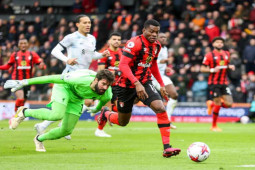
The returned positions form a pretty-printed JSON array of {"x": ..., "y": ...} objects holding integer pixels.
[{"x": 246, "y": 166}]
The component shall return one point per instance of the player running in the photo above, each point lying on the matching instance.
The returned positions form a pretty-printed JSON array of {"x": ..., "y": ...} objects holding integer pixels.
[
  {"x": 80, "y": 47},
  {"x": 170, "y": 88},
  {"x": 23, "y": 63},
  {"x": 216, "y": 63},
  {"x": 111, "y": 63},
  {"x": 67, "y": 99},
  {"x": 138, "y": 62}
]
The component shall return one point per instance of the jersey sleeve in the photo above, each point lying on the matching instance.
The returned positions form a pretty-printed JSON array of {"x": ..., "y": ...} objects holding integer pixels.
[
  {"x": 36, "y": 58},
  {"x": 102, "y": 61},
  {"x": 67, "y": 41},
  {"x": 131, "y": 48},
  {"x": 207, "y": 59},
  {"x": 12, "y": 59}
]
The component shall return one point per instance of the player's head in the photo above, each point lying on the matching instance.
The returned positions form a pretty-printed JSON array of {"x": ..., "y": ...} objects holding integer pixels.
[
  {"x": 83, "y": 23},
  {"x": 104, "y": 79},
  {"x": 151, "y": 30},
  {"x": 114, "y": 40},
  {"x": 162, "y": 38},
  {"x": 23, "y": 44},
  {"x": 218, "y": 43}
]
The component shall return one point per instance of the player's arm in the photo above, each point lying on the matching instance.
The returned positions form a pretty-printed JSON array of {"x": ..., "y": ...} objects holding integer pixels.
[
  {"x": 101, "y": 63},
  {"x": 18, "y": 84},
  {"x": 5, "y": 67},
  {"x": 205, "y": 67}
]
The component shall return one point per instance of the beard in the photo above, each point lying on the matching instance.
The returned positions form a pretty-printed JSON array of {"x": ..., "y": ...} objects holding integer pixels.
[
  {"x": 98, "y": 91},
  {"x": 218, "y": 48}
]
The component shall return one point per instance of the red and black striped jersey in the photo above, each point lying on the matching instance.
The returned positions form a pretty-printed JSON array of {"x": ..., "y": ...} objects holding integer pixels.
[
  {"x": 112, "y": 63},
  {"x": 23, "y": 63},
  {"x": 213, "y": 59},
  {"x": 142, "y": 53}
]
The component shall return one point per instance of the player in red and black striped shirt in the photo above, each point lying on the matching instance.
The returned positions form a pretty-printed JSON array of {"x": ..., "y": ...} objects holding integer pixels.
[
  {"x": 22, "y": 62},
  {"x": 216, "y": 63},
  {"x": 111, "y": 63},
  {"x": 138, "y": 62}
]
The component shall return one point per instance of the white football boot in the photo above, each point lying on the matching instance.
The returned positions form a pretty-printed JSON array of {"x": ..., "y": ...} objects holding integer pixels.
[
  {"x": 101, "y": 133},
  {"x": 39, "y": 147},
  {"x": 17, "y": 119}
]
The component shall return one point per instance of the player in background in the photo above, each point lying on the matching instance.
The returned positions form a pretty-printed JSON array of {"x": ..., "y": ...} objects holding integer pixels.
[
  {"x": 217, "y": 63},
  {"x": 67, "y": 100},
  {"x": 22, "y": 63},
  {"x": 137, "y": 63},
  {"x": 80, "y": 47},
  {"x": 111, "y": 63},
  {"x": 170, "y": 88}
]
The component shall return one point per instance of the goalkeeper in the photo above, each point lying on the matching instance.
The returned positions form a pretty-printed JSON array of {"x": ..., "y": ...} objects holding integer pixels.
[{"x": 68, "y": 95}]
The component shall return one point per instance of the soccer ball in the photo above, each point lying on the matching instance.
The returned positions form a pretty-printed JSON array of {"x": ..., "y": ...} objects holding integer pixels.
[
  {"x": 244, "y": 119},
  {"x": 198, "y": 152}
]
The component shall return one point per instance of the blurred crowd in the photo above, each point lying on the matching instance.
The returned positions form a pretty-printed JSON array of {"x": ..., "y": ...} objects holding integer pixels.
[{"x": 190, "y": 26}]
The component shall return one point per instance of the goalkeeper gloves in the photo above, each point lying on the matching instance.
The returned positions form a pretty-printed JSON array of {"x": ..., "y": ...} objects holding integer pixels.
[{"x": 15, "y": 84}]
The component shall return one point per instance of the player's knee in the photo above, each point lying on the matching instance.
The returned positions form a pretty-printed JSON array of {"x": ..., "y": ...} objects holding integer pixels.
[
  {"x": 159, "y": 108},
  {"x": 123, "y": 122},
  {"x": 54, "y": 116},
  {"x": 174, "y": 95},
  {"x": 228, "y": 104}
]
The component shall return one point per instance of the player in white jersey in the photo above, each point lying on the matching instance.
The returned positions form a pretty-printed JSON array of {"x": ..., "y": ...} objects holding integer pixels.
[
  {"x": 80, "y": 47},
  {"x": 170, "y": 88}
]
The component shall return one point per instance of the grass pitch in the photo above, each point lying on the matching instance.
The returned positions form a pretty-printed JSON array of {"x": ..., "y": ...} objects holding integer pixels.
[{"x": 137, "y": 146}]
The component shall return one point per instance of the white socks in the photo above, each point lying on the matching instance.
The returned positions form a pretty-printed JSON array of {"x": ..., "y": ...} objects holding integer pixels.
[{"x": 171, "y": 104}]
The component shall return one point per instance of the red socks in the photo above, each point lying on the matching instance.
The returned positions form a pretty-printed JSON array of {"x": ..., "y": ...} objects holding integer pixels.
[
  {"x": 18, "y": 103},
  {"x": 112, "y": 117},
  {"x": 216, "y": 110},
  {"x": 164, "y": 127}
]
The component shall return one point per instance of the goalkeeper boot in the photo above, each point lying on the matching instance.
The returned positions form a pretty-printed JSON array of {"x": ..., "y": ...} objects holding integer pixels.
[
  {"x": 171, "y": 152},
  {"x": 18, "y": 118},
  {"x": 39, "y": 147}
]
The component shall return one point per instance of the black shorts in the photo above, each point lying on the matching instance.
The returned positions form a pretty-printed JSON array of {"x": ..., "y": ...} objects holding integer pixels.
[
  {"x": 26, "y": 91},
  {"x": 114, "y": 94},
  {"x": 219, "y": 90},
  {"x": 127, "y": 96}
]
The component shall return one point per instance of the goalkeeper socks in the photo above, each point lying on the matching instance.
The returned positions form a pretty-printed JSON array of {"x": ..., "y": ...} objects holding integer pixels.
[
  {"x": 18, "y": 103},
  {"x": 216, "y": 110},
  {"x": 164, "y": 127}
]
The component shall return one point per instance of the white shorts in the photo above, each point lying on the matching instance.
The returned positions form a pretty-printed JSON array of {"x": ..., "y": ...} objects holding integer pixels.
[{"x": 165, "y": 79}]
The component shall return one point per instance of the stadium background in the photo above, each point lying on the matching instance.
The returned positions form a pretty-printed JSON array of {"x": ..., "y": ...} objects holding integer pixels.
[{"x": 190, "y": 25}]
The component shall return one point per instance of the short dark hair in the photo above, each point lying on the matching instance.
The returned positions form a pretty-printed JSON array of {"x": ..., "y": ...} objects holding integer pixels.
[
  {"x": 151, "y": 22},
  {"x": 105, "y": 74},
  {"x": 115, "y": 33},
  {"x": 77, "y": 19},
  {"x": 218, "y": 38}
]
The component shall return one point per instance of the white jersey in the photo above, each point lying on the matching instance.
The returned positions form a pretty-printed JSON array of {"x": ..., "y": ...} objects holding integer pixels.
[
  {"x": 80, "y": 47},
  {"x": 163, "y": 54}
]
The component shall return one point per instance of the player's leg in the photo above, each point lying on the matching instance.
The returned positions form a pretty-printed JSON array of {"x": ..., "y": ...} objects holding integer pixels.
[
  {"x": 59, "y": 94},
  {"x": 216, "y": 108},
  {"x": 227, "y": 99},
  {"x": 156, "y": 104},
  {"x": 69, "y": 122},
  {"x": 20, "y": 101}
]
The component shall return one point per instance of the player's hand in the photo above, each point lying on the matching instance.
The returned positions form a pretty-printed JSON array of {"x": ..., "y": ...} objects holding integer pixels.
[
  {"x": 15, "y": 84},
  {"x": 106, "y": 53},
  {"x": 140, "y": 90},
  {"x": 232, "y": 67},
  {"x": 72, "y": 61},
  {"x": 164, "y": 93},
  {"x": 92, "y": 110}
]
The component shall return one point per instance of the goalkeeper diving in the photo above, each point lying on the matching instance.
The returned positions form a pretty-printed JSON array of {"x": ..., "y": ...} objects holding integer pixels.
[{"x": 68, "y": 95}]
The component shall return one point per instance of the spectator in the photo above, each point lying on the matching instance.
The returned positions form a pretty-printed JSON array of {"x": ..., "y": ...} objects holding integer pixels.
[
  {"x": 77, "y": 7},
  {"x": 238, "y": 95},
  {"x": 34, "y": 93},
  {"x": 89, "y": 6},
  {"x": 124, "y": 20},
  {"x": 37, "y": 25},
  {"x": 33, "y": 44},
  {"x": 199, "y": 20},
  {"x": 250, "y": 88},
  {"x": 212, "y": 30},
  {"x": 199, "y": 89},
  {"x": 249, "y": 56},
  {"x": 36, "y": 8},
  {"x": 235, "y": 75},
  {"x": 117, "y": 8},
  {"x": 30, "y": 31},
  {"x": 49, "y": 19}
]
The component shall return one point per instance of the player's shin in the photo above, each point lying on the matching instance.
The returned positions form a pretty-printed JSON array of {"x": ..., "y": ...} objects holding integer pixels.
[
  {"x": 164, "y": 127},
  {"x": 18, "y": 103}
]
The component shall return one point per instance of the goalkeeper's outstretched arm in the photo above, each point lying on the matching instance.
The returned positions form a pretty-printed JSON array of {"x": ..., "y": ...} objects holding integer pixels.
[{"x": 18, "y": 84}]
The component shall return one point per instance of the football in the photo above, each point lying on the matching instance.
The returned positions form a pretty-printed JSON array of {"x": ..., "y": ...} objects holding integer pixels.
[{"x": 198, "y": 151}]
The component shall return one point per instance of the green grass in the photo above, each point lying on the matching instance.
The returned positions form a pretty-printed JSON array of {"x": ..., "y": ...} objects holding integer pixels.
[{"x": 137, "y": 146}]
